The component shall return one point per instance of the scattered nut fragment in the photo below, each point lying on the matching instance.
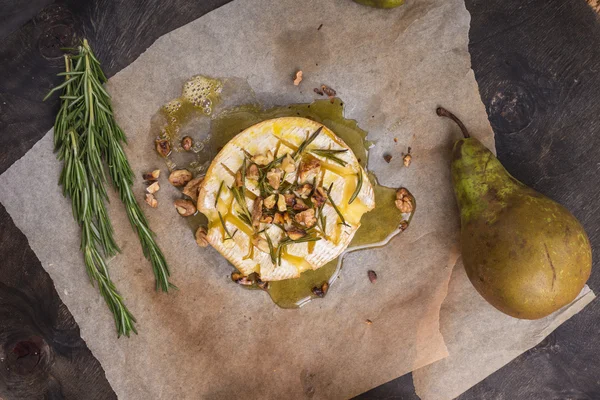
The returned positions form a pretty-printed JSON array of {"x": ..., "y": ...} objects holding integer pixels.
[
  {"x": 163, "y": 147},
  {"x": 395, "y": 140},
  {"x": 298, "y": 78},
  {"x": 287, "y": 221},
  {"x": 252, "y": 172},
  {"x": 180, "y": 177},
  {"x": 403, "y": 225},
  {"x": 278, "y": 219},
  {"x": 263, "y": 159},
  {"x": 306, "y": 218},
  {"x": 368, "y": 322},
  {"x": 407, "y": 158},
  {"x": 257, "y": 212},
  {"x": 296, "y": 233},
  {"x": 404, "y": 201},
  {"x": 329, "y": 92},
  {"x": 290, "y": 199},
  {"x": 308, "y": 169},
  {"x": 151, "y": 176},
  {"x": 270, "y": 202},
  {"x": 387, "y": 158},
  {"x": 155, "y": 187},
  {"x": 151, "y": 201},
  {"x": 300, "y": 205},
  {"x": 239, "y": 182},
  {"x": 241, "y": 279},
  {"x": 187, "y": 143},
  {"x": 262, "y": 285},
  {"x": 288, "y": 164},
  {"x": 321, "y": 291},
  {"x": 192, "y": 187},
  {"x": 319, "y": 197},
  {"x": 266, "y": 219},
  {"x": 201, "y": 237},
  {"x": 318, "y": 91},
  {"x": 304, "y": 191},
  {"x": 372, "y": 276},
  {"x": 185, "y": 208},
  {"x": 261, "y": 243},
  {"x": 274, "y": 177},
  {"x": 281, "y": 206}
]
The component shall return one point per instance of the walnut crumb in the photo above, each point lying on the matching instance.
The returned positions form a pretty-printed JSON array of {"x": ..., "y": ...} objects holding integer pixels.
[
  {"x": 298, "y": 78},
  {"x": 201, "y": 238},
  {"x": 404, "y": 201},
  {"x": 151, "y": 201},
  {"x": 155, "y": 187}
]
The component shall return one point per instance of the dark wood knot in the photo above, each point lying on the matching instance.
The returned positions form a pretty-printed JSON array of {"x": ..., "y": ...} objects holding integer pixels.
[
  {"x": 511, "y": 109},
  {"x": 24, "y": 356}
]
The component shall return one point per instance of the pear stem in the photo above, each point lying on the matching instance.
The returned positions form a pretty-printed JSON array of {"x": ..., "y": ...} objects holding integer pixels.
[{"x": 442, "y": 112}]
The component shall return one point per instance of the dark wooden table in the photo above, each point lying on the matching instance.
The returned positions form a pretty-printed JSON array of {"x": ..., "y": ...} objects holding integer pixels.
[{"x": 537, "y": 63}]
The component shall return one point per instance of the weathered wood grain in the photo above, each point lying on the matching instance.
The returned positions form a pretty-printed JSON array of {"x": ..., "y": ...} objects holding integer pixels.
[{"x": 536, "y": 62}]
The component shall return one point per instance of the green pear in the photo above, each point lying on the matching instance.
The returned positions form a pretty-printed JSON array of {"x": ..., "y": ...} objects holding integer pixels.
[{"x": 527, "y": 255}]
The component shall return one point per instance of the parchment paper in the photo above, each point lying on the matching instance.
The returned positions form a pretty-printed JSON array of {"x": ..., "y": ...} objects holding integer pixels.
[
  {"x": 211, "y": 339},
  {"x": 481, "y": 339}
]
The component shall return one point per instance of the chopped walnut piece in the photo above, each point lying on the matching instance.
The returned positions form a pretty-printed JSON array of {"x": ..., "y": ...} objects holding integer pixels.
[
  {"x": 263, "y": 159},
  {"x": 296, "y": 233},
  {"x": 278, "y": 219},
  {"x": 308, "y": 169},
  {"x": 287, "y": 221},
  {"x": 387, "y": 158},
  {"x": 329, "y": 92},
  {"x": 290, "y": 199},
  {"x": 261, "y": 243},
  {"x": 304, "y": 191},
  {"x": 319, "y": 197},
  {"x": 185, "y": 208},
  {"x": 151, "y": 176},
  {"x": 266, "y": 219},
  {"x": 201, "y": 238},
  {"x": 180, "y": 177},
  {"x": 187, "y": 143},
  {"x": 298, "y": 78},
  {"x": 257, "y": 212},
  {"x": 151, "y": 201},
  {"x": 155, "y": 187},
  {"x": 239, "y": 182},
  {"x": 192, "y": 187},
  {"x": 163, "y": 147},
  {"x": 274, "y": 177},
  {"x": 306, "y": 218},
  {"x": 407, "y": 159},
  {"x": 281, "y": 206},
  {"x": 270, "y": 201},
  {"x": 288, "y": 164},
  {"x": 300, "y": 205},
  {"x": 252, "y": 172},
  {"x": 404, "y": 201}
]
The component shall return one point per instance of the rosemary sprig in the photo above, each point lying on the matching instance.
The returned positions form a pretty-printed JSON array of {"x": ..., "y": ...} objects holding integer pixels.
[
  {"x": 219, "y": 193},
  {"x": 337, "y": 210},
  {"x": 271, "y": 249},
  {"x": 245, "y": 219},
  {"x": 229, "y": 235},
  {"x": 241, "y": 200},
  {"x": 305, "y": 143},
  {"x": 100, "y": 120},
  {"x": 359, "y": 184},
  {"x": 330, "y": 154},
  {"x": 79, "y": 147}
]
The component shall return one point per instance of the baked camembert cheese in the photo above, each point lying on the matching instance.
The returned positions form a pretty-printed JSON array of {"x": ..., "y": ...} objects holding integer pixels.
[{"x": 284, "y": 196}]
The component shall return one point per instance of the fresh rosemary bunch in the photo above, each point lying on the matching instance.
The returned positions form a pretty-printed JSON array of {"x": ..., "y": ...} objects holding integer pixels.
[{"x": 86, "y": 137}]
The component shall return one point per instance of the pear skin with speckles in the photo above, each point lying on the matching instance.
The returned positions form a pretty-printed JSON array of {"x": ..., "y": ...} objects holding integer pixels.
[{"x": 527, "y": 255}]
